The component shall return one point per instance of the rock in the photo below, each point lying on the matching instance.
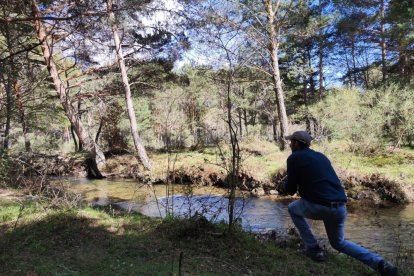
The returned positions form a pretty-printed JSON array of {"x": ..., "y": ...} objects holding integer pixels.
[
  {"x": 273, "y": 192},
  {"x": 409, "y": 191},
  {"x": 258, "y": 192}
]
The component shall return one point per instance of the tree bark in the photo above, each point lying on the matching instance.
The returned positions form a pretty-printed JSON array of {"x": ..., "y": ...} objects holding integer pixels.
[
  {"x": 348, "y": 68},
  {"x": 142, "y": 154},
  {"x": 9, "y": 103},
  {"x": 274, "y": 128},
  {"x": 321, "y": 44},
  {"x": 353, "y": 61},
  {"x": 245, "y": 121},
  {"x": 240, "y": 122},
  {"x": 95, "y": 156},
  {"x": 277, "y": 82},
  {"x": 98, "y": 133},
  {"x": 22, "y": 117},
  {"x": 305, "y": 91},
  {"x": 383, "y": 42},
  {"x": 80, "y": 144},
  {"x": 311, "y": 81},
  {"x": 72, "y": 131}
]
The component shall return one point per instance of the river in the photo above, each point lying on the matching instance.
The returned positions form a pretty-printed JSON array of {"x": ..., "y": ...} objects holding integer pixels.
[{"x": 388, "y": 231}]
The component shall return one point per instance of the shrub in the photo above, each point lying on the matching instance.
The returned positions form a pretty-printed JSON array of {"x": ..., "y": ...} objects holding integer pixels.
[
  {"x": 368, "y": 120},
  {"x": 6, "y": 166}
]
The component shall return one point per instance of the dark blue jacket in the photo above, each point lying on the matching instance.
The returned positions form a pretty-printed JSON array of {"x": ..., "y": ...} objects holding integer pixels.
[{"x": 311, "y": 173}]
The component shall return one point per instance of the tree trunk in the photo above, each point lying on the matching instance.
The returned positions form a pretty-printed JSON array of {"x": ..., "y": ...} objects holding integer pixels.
[
  {"x": 277, "y": 82},
  {"x": 240, "y": 122},
  {"x": 311, "y": 81},
  {"x": 383, "y": 42},
  {"x": 348, "y": 69},
  {"x": 245, "y": 121},
  {"x": 402, "y": 62},
  {"x": 95, "y": 156},
  {"x": 22, "y": 117},
  {"x": 72, "y": 130},
  {"x": 9, "y": 103},
  {"x": 98, "y": 133},
  {"x": 274, "y": 128},
  {"x": 235, "y": 155},
  {"x": 80, "y": 144},
  {"x": 305, "y": 91},
  {"x": 142, "y": 154},
  {"x": 321, "y": 84},
  {"x": 366, "y": 72},
  {"x": 353, "y": 62},
  {"x": 321, "y": 44}
]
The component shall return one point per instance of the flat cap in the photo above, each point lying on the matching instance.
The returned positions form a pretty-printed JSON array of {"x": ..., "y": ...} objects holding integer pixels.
[{"x": 301, "y": 136}]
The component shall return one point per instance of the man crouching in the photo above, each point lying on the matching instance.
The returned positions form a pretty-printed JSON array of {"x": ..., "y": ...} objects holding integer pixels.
[{"x": 322, "y": 198}]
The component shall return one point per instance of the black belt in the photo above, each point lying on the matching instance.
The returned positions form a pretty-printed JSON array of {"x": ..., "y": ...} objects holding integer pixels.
[{"x": 331, "y": 204}]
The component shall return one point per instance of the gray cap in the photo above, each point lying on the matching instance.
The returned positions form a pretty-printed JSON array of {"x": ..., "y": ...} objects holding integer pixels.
[{"x": 301, "y": 136}]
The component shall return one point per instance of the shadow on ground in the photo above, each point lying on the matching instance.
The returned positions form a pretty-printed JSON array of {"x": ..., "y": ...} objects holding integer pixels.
[{"x": 73, "y": 243}]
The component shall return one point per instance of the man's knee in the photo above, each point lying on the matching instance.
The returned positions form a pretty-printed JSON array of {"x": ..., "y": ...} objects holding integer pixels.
[
  {"x": 337, "y": 244},
  {"x": 291, "y": 207}
]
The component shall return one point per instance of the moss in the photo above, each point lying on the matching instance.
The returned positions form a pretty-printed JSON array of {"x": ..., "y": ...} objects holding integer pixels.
[{"x": 389, "y": 160}]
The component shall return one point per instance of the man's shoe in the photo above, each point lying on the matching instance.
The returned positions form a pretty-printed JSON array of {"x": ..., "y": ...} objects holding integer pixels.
[
  {"x": 316, "y": 253},
  {"x": 387, "y": 269}
]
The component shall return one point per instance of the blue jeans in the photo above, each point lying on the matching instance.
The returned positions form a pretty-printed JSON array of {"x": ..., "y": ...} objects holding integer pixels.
[{"x": 334, "y": 221}]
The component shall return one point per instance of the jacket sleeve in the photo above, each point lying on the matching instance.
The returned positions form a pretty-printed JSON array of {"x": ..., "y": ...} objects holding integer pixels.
[{"x": 291, "y": 185}]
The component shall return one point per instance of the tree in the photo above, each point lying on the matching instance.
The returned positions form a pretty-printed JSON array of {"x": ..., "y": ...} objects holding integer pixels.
[
  {"x": 273, "y": 30},
  {"x": 131, "y": 112},
  {"x": 400, "y": 17},
  {"x": 95, "y": 156},
  {"x": 259, "y": 28},
  {"x": 13, "y": 65}
]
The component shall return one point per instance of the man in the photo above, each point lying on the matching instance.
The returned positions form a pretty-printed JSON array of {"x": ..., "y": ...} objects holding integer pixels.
[{"x": 322, "y": 198}]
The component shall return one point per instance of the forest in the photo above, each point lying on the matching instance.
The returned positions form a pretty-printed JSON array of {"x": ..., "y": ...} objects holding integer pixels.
[{"x": 201, "y": 92}]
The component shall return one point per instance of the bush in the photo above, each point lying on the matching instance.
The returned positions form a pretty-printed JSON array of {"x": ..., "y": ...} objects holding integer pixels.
[
  {"x": 368, "y": 120},
  {"x": 345, "y": 117},
  {"x": 6, "y": 166}
]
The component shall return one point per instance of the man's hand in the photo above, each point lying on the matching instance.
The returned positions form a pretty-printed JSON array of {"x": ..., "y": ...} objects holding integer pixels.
[{"x": 281, "y": 187}]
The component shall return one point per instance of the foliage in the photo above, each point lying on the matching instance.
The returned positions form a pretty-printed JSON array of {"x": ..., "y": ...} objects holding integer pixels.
[
  {"x": 6, "y": 167},
  {"x": 397, "y": 111},
  {"x": 370, "y": 119}
]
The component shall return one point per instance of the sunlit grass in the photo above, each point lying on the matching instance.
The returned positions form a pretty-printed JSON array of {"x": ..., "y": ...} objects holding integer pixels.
[
  {"x": 398, "y": 166},
  {"x": 262, "y": 159}
]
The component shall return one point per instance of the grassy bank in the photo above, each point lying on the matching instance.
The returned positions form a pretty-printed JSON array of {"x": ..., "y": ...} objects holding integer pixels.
[
  {"x": 89, "y": 241},
  {"x": 262, "y": 160}
]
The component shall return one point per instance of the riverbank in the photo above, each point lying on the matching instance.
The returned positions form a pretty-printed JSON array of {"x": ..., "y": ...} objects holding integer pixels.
[
  {"x": 37, "y": 240},
  {"x": 377, "y": 180}
]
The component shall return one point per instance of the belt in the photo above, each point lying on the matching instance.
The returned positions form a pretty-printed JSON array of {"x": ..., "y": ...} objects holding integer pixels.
[{"x": 331, "y": 204}]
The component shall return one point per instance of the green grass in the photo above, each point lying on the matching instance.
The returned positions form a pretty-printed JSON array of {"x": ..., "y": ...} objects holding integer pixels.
[
  {"x": 89, "y": 241},
  {"x": 262, "y": 159},
  {"x": 397, "y": 166}
]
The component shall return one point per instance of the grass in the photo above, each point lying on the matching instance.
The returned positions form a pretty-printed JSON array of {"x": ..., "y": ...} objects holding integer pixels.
[
  {"x": 397, "y": 166},
  {"x": 88, "y": 241},
  {"x": 105, "y": 242},
  {"x": 262, "y": 159}
]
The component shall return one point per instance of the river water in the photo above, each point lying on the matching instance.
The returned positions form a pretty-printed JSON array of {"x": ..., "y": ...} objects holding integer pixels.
[{"x": 389, "y": 231}]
